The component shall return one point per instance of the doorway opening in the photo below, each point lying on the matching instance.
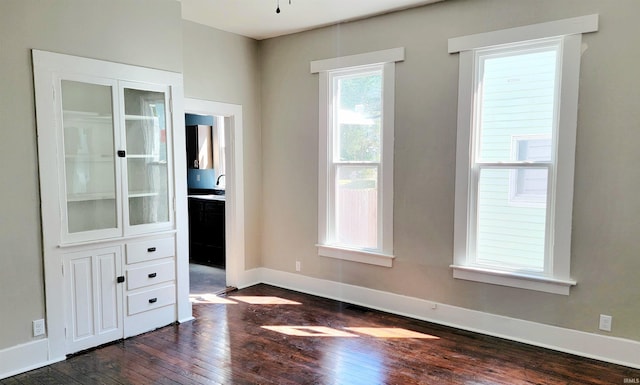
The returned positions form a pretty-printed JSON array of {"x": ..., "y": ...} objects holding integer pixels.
[
  {"x": 215, "y": 194},
  {"x": 206, "y": 174}
]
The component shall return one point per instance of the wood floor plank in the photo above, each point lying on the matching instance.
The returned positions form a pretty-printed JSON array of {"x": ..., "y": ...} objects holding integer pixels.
[{"x": 227, "y": 344}]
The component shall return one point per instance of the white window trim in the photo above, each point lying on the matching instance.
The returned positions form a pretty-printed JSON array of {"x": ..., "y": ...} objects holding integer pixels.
[
  {"x": 557, "y": 280},
  {"x": 387, "y": 58}
]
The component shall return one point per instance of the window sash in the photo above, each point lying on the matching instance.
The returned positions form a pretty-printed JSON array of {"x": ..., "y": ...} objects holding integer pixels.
[
  {"x": 333, "y": 231},
  {"x": 477, "y": 165},
  {"x": 338, "y": 227},
  {"x": 474, "y": 225}
]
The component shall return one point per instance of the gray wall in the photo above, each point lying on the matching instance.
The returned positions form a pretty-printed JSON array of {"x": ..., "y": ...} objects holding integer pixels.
[
  {"x": 605, "y": 241},
  {"x": 223, "y": 67},
  {"x": 143, "y": 32}
]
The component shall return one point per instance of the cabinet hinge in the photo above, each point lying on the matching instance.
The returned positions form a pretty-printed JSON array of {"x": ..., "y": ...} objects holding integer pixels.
[
  {"x": 65, "y": 332},
  {"x": 62, "y": 269}
]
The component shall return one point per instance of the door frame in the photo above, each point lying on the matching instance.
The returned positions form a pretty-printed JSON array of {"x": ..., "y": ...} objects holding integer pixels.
[{"x": 234, "y": 178}]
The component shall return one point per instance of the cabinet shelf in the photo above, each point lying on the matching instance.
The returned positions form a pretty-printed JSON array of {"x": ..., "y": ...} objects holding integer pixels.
[
  {"x": 143, "y": 194},
  {"x": 89, "y": 157},
  {"x": 84, "y": 197},
  {"x": 71, "y": 115},
  {"x": 148, "y": 156},
  {"x": 138, "y": 117}
]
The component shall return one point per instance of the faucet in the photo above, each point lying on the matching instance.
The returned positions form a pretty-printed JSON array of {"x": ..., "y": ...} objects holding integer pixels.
[{"x": 218, "y": 180}]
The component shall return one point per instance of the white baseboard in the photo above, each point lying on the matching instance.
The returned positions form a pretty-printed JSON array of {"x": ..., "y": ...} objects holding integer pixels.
[
  {"x": 22, "y": 358},
  {"x": 250, "y": 278},
  {"x": 610, "y": 349}
]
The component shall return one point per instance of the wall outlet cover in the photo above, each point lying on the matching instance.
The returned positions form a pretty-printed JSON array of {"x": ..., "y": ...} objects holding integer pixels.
[
  {"x": 605, "y": 322},
  {"x": 38, "y": 327}
]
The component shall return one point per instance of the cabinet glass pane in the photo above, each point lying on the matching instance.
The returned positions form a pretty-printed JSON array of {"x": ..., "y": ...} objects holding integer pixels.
[
  {"x": 87, "y": 119},
  {"x": 146, "y": 156}
]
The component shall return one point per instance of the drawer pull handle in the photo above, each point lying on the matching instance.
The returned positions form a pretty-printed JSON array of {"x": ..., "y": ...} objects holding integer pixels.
[
  {"x": 152, "y": 275},
  {"x": 153, "y": 300},
  {"x": 151, "y": 249}
]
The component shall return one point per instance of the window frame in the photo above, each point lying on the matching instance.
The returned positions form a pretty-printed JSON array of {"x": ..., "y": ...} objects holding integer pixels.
[
  {"x": 556, "y": 276},
  {"x": 327, "y": 69}
]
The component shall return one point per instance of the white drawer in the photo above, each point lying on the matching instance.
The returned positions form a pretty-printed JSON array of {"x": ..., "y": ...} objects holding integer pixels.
[
  {"x": 151, "y": 249},
  {"x": 151, "y": 299},
  {"x": 150, "y": 274}
]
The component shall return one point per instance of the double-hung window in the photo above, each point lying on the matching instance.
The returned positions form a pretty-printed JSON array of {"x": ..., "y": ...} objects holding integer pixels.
[
  {"x": 517, "y": 118},
  {"x": 356, "y": 156}
]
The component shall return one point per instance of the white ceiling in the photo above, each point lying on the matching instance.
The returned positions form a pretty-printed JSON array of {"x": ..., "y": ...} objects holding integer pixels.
[{"x": 258, "y": 19}]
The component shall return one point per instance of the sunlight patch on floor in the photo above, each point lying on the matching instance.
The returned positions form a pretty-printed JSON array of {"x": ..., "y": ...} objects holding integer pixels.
[
  {"x": 264, "y": 300},
  {"x": 324, "y": 331},
  {"x": 391, "y": 333},
  {"x": 210, "y": 298},
  {"x": 309, "y": 331}
]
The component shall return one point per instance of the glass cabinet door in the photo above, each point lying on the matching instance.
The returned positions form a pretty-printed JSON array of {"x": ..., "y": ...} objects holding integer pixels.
[
  {"x": 89, "y": 162},
  {"x": 147, "y": 156}
]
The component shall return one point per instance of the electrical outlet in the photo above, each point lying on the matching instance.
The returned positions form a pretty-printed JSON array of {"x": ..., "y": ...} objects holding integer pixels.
[
  {"x": 38, "y": 327},
  {"x": 605, "y": 322},
  {"x": 298, "y": 266}
]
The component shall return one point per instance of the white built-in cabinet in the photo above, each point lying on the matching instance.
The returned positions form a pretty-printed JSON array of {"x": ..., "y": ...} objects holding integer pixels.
[{"x": 108, "y": 192}]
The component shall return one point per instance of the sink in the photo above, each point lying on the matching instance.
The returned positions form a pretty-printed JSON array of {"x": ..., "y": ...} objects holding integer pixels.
[{"x": 217, "y": 191}]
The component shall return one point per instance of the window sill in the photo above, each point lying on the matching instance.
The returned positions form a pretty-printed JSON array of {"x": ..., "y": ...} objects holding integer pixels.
[
  {"x": 519, "y": 280},
  {"x": 354, "y": 255}
]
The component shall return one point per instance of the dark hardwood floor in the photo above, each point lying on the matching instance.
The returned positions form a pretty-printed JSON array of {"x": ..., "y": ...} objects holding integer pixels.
[{"x": 317, "y": 341}]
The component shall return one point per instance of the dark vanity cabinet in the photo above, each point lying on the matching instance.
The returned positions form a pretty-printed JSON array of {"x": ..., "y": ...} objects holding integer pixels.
[{"x": 206, "y": 231}]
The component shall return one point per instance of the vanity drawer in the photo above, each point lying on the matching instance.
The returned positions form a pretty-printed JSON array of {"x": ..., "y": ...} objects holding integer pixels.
[
  {"x": 151, "y": 249},
  {"x": 151, "y": 299},
  {"x": 150, "y": 274}
]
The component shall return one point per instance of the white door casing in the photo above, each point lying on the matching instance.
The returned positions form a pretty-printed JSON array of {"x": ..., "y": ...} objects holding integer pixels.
[{"x": 234, "y": 207}]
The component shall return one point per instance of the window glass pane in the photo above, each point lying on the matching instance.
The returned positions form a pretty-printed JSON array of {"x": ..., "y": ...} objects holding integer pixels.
[
  {"x": 509, "y": 235},
  {"x": 356, "y": 215},
  {"x": 517, "y": 98},
  {"x": 358, "y": 116}
]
